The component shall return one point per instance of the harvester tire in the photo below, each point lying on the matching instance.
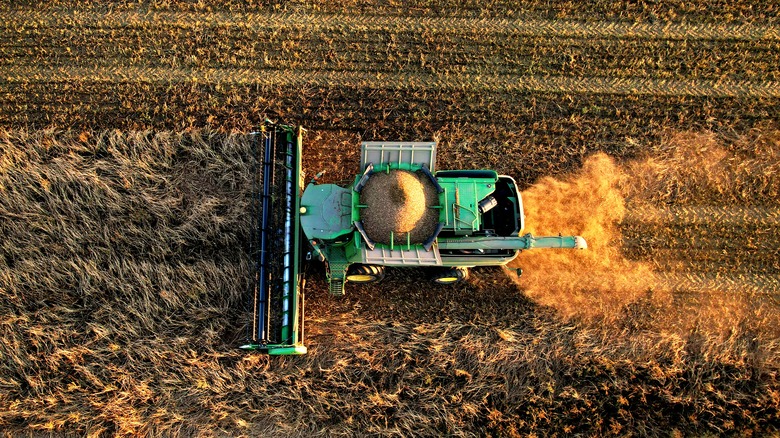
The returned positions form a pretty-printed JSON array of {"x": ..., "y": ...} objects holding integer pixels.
[
  {"x": 358, "y": 273},
  {"x": 453, "y": 275}
]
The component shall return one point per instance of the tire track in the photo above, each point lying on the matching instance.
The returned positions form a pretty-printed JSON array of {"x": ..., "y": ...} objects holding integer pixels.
[
  {"x": 711, "y": 261},
  {"x": 374, "y": 23},
  {"x": 692, "y": 271},
  {"x": 399, "y": 81},
  {"x": 718, "y": 283},
  {"x": 348, "y": 50},
  {"x": 732, "y": 216}
]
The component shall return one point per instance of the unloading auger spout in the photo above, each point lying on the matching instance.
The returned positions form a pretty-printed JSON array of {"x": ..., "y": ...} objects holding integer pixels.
[{"x": 524, "y": 242}]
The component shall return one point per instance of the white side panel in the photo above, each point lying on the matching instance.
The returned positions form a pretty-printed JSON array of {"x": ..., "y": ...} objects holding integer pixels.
[
  {"x": 378, "y": 152},
  {"x": 398, "y": 257}
]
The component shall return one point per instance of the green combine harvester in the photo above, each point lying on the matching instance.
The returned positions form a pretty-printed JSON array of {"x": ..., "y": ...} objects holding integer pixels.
[{"x": 400, "y": 211}]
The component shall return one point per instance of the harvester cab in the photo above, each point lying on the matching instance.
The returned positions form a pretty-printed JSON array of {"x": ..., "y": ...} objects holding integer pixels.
[{"x": 400, "y": 211}]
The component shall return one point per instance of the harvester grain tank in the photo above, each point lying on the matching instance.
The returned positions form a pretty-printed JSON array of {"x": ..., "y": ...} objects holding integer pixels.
[{"x": 400, "y": 211}]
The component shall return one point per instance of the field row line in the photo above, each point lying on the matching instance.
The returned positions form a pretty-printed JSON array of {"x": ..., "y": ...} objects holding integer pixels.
[
  {"x": 703, "y": 283},
  {"x": 373, "y": 23},
  {"x": 400, "y": 81},
  {"x": 706, "y": 215}
]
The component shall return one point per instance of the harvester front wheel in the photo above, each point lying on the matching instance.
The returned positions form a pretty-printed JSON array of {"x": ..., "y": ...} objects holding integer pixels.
[
  {"x": 450, "y": 275},
  {"x": 358, "y": 273}
]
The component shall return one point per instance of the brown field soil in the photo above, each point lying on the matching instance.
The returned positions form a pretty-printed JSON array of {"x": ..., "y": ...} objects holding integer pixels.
[{"x": 651, "y": 128}]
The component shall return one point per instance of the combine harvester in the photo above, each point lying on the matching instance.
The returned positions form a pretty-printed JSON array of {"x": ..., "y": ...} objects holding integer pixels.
[{"x": 399, "y": 212}]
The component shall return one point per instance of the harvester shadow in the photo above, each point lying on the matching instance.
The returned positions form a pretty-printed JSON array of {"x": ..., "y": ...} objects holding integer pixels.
[{"x": 489, "y": 296}]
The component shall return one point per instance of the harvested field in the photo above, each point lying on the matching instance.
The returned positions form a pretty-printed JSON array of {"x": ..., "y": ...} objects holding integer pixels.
[{"x": 125, "y": 171}]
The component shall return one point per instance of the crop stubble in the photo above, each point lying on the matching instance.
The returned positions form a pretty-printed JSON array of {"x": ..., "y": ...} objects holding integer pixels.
[{"x": 133, "y": 331}]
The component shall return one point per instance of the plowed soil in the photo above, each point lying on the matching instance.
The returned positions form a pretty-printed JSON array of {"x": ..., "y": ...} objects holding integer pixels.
[{"x": 650, "y": 128}]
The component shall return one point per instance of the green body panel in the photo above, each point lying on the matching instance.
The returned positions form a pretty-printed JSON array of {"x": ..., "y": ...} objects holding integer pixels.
[
  {"x": 328, "y": 211},
  {"x": 356, "y": 206},
  {"x": 296, "y": 350},
  {"x": 460, "y": 200}
]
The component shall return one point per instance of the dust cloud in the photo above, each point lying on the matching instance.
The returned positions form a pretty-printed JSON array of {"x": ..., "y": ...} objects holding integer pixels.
[
  {"x": 689, "y": 229},
  {"x": 588, "y": 203}
]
